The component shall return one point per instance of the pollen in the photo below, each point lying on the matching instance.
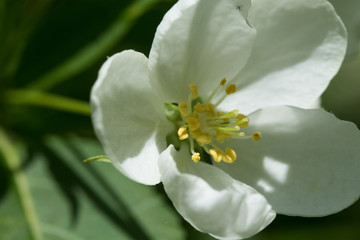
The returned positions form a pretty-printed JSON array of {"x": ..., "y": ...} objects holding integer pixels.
[
  {"x": 216, "y": 154},
  {"x": 201, "y": 108},
  {"x": 220, "y": 136},
  {"x": 222, "y": 82},
  {"x": 211, "y": 110},
  {"x": 243, "y": 120},
  {"x": 194, "y": 91},
  {"x": 256, "y": 136},
  {"x": 230, "y": 89},
  {"x": 193, "y": 122},
  {"x": 183, "y": 109},
  {"x": 182, "y": 133},
  {"x": 196, "y": 157},
  {"x": 204, "y": 138},
  {"x": 230, "y": 153}
]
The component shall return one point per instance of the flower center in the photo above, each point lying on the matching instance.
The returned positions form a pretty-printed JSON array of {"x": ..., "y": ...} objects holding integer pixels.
[{"x": 208, "y": 127}]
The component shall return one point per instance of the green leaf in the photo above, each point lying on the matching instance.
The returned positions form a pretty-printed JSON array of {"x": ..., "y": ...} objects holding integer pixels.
[
  {"x": 94, "y": 51},
  {"x": 48, "y": 100},
  {"x": 74, "y": 201}
]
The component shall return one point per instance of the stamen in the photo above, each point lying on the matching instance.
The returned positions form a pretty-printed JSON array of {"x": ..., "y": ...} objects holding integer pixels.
[
  {"x": 242, "y": 117},
  {"x": 196, "y": 157},
  {"x": 196, "y": 133},
  {"x": 224, "y": 119},
  {"x": 230, "y": 89},
  {"x": 222, "y": 83},
  {"x": 216, "y": 154},
  {"x": 201, "y": 108},
  {"x": 238, "y": 123},
  {"x": 238, "y": 134},
  {"x": 183, "y": 109},
  {"x": 231, "y": 114},
  {"x": 231, "y": 153},
  {"x": 182, "y": 133},
  {"x": 203, "y": 124},
  {"x": 193, "y": 122},
  {"x": 204, "y": 138},
  {"x": 221, "y": 136},
  {"x": 194, "y": 90},
  {"x": 226, "y": 129},
  {"x": 211, "y": 110},
  {"x": 191, "y": 140},
  {"x": 226, "y": 158},
  {"x": 256, "y": 136}
]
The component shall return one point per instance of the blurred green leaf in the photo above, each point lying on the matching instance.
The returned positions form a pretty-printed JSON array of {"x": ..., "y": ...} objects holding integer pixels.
[
  {"x": 74, "y": 200},
  {"x": 96, "y": 49},
  {"x": 17, "y": 21},
  {"x": 39, "y": 98}
]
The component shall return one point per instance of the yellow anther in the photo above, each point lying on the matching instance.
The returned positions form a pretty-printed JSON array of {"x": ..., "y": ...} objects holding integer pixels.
[
  {"x": 241, "y": 116},
  {"x": 222, "y": 82},
  {"x": 196, "y": 133},
  {"x": 226, "y": 158},
  {"x": 203, "y": 124},
  {"x": 216, "y": 154},
  {"x": 183, "y": 109},
  {"x": 201, "y": 108},
  {"x": 182, "y": 133},
  {"x": 195, "y": 157},
  {"x": 211, "y": 110},
  {"x": 183, "y": 137},
  {"x": 204, "y": 138},
  {"x": 182, "y": 130},
  {"x": 219, "y": 114},
  {"x": 256, "y": 136},
  {"x": 193, "y": 122},
  {"x": 244, "y": 118},
  {"x": 220, "y": 136},
  {"x": 230, "y": 153},
  {"x": 230, "y": 89},
  {"x": 194, "y": 126},
  {"x": 194, "y": 90}
]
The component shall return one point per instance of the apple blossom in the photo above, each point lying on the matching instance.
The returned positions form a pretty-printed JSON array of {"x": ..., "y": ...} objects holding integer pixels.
[{"x": 236, "y": 81}]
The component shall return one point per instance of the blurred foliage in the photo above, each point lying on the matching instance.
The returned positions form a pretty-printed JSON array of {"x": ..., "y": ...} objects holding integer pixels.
[{"x": 50, "y": 52}]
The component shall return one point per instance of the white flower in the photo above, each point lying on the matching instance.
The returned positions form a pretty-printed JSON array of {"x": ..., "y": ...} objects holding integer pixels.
[{"x": 277, "y": 53}]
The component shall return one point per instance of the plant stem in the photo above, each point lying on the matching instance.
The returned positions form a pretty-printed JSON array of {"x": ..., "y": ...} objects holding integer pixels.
[
  {"x": 39, "y": 98},
  {"x": 13, "y": 164}
]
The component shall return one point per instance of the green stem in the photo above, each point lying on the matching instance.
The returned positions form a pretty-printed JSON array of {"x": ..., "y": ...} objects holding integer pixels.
[
  {"x": 12, "y": 162},
  {"x": 38, "y": 98},
  {"x": 97, "y": 49},
  {"x": 101, "y": 158}
]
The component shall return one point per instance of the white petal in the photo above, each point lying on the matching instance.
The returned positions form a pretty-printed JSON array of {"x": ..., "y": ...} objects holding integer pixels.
[
  {"x": 242, "y": 5},
  {"x": 200, "y": 42},
  {"x": 127, "y": 117},
  {"x": 307, "y": 163},
  {"x": 299, "y": 47},
  {"x": 211, "y": 200}
]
